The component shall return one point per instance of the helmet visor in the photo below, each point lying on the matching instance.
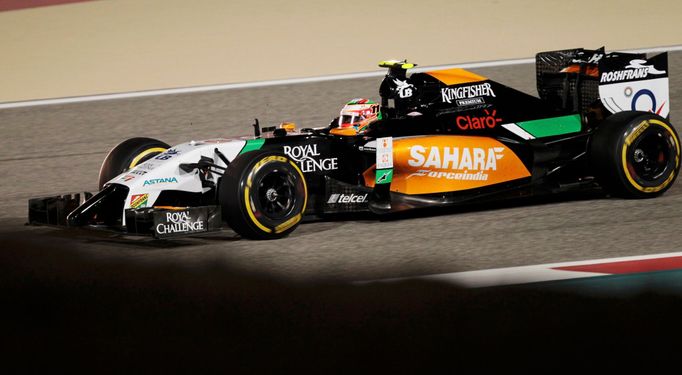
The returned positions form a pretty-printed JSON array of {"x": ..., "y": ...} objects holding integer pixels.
[{"x": 346, "y": 121}]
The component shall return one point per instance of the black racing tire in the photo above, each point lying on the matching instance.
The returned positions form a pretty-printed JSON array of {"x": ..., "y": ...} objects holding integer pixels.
[
  {"x": 263, "y": 195},
  {"x": 635, "y": 154},
  {"x": 127, "y": 155}
]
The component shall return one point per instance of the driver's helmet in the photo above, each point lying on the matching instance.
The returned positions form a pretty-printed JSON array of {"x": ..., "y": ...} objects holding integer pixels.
[{"x": 357, "y": 114}]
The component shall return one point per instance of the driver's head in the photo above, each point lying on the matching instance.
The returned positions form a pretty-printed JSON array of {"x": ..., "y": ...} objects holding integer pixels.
[{"x": 358, "y": 114}]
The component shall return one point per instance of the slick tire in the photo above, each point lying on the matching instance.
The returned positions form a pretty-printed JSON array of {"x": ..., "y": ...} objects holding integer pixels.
[
  {"x": 263, "y": 195},
  {"x": 635, "y": 154},
  {"x": 127, "y": 155}
]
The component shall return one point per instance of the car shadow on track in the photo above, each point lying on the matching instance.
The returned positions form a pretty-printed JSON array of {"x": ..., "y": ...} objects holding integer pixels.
[
  {"x": 496, "y": 205},
  {"x": 323, "y": 223},
  {"x": 83, "y": 236}
]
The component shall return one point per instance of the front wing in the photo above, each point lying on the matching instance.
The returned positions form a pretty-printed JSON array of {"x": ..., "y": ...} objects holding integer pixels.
[{"x": 159, "y": 222}]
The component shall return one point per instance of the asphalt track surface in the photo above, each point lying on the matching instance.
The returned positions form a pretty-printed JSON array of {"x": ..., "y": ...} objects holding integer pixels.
[
  {"x": 59, "y": 148},
  {"x": 77, "y": 299}
]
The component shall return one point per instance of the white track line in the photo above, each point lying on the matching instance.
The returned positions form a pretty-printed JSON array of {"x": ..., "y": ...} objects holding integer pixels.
[
  {"x": 230, "y": 86},
  {"x": 523, "y": 274}
]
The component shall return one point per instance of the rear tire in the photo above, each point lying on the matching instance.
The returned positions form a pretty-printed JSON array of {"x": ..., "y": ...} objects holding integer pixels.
[
  {"x": 127, "y": 155},
  {"x": 263, "y": 195},
  {"x": 636, "y": 154}
]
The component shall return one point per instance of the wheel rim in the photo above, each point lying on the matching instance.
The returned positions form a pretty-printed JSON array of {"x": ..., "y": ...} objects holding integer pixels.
[
  {"x": 276, "y": 194},
  {"x": 649, "y": 160}
]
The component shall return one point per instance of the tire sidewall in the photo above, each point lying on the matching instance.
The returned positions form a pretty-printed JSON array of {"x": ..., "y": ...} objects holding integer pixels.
[
  {"x": 239, "y": 190},
  {"x": 614, "y": 144},
  {"x": 121, "y": 157},
  {"x": 630, "y": 140}
]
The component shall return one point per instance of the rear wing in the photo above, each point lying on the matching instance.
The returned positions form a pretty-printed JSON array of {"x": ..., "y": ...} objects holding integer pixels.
[
  {"x": 635, "y": 83},
  {"x": 576, "y": 80}
]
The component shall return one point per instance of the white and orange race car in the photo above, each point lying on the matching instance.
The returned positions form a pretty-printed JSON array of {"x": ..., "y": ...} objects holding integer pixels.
[{"x": 436, "y": 138}]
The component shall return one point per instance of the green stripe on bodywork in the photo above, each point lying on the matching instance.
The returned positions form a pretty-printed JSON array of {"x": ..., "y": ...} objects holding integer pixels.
[
  {"x": 548, "y": 127},
  {"x": 384, "y": 176},
  {"x": 252, "y": 145}
]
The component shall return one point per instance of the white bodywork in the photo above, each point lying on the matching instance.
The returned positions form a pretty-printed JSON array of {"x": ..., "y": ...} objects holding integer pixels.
[
  {"x": 162, "y": 172},
  {"x": 625, "y": 90},
  {"x": 651, "y": 95}
]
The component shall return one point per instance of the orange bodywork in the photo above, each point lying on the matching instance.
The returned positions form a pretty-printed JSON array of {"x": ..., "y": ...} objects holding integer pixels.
[
  {"x": 456, "y": 76},
  {"x": 592, "y": 71},
  {"x": 344, "y": 131},
  {"x": 436, "y": 164}
]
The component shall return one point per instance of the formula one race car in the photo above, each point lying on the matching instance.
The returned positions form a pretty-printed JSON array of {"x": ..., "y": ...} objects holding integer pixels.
[{"x": 437, "y": 138}]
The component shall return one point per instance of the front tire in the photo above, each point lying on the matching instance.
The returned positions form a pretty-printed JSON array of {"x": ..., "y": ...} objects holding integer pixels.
[
  {"x": 263, "y": 195},
  {"x": 636, "y": 154},
  {"x": 127, "y": 155}
]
